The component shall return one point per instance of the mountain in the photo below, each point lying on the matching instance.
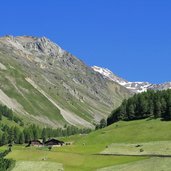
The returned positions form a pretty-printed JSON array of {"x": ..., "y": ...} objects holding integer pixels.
[
  {"x": 135, "y": 87},
  {"x": 46, "y": 85}
]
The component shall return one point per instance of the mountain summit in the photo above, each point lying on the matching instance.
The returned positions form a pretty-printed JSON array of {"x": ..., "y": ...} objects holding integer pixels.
[
  {"x": 136, "y": 87},
  {"x": 34, "y": 45}
]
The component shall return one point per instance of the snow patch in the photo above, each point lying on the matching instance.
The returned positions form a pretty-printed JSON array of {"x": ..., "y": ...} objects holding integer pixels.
[{"x": 136, "y": 87}]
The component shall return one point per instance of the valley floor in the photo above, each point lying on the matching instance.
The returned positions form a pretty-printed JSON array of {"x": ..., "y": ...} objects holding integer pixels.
[
  {"x": 37, "y": 166},
  {"x": 152, "y": 164},
  {"x": 59, "y": 159},
  {"x": 87, "y": 151},
  {"x": 62, "y": 159}
]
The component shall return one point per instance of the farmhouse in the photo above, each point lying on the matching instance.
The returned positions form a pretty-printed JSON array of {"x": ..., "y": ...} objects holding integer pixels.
[
  {"x": 35, "y": 143},
  {"x": 53, "y": 142}
]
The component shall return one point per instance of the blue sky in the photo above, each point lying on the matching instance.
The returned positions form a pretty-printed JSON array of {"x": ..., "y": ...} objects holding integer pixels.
[{"x": 130, "y": 37}]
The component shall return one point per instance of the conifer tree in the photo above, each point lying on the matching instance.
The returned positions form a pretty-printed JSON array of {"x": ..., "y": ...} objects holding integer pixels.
[{"x": 21, "y": 138}]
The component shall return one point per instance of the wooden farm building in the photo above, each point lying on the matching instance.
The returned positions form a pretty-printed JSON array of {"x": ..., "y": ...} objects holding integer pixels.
[
  {"x": 53, "y": 142},
  {"x": 35, "y": 143}
]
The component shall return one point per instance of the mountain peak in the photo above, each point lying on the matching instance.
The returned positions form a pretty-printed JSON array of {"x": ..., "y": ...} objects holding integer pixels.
[
  {"x": 35, "y": 45},
  {"x": 136, "y": 87},
  {"x": 109, "y": 74}
]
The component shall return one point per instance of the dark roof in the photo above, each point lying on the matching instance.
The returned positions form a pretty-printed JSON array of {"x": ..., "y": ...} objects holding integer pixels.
[
  {"x": 53, "y": 142},
  {"x": 35, "y": 142}
]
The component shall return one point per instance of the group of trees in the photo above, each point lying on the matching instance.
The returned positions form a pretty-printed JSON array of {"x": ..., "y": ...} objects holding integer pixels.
[
  {"x": 47, "y": 133},
  {"x": 18, "y": 135},
  {"x": 6, "y": 164},
  {"x": 156, "y": 104},
  {"x": 102, "y": 124},
  {"x": 8, "y": 113}
]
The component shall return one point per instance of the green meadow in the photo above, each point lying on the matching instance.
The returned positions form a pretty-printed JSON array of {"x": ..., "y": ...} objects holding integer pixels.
[
  {"x": 37, "y": 165},
  {"x": 29, "y": 157},
  {"x": 153, "y": 136},
  {"x": 152, "y": 164}
]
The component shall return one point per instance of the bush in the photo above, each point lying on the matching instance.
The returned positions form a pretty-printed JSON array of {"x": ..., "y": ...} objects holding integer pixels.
[{"x": 6, "y": 164}]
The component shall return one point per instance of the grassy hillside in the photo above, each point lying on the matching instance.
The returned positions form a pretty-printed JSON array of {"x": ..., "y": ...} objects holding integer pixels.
[
  {"x": 25, "y": 100},
  {"x": 123, "y": 133},
  {"x": 152, "y": 135},
  {"x": 130, "y": 132}
]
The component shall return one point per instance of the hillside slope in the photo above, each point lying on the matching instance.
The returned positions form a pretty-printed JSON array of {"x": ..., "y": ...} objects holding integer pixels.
[
  {"x": 43, "y": 83},
  {"x": 123, "y": 132}
]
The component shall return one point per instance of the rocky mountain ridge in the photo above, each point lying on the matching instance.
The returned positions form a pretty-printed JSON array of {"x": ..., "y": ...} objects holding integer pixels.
[
  {"x": 41, "y": 76},
  {"x": 135, "y": 87}
]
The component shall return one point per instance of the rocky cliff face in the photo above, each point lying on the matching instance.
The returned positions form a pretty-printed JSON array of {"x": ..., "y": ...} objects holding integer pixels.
[
  {"x": 82, "y": 95},
  {"x": 135, "y": 87}
]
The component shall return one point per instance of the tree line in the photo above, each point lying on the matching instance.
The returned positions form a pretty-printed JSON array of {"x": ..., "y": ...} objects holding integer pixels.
[
  {"x": 8, "y": 113},
  {"x": 155, "y": 104},
  {"x": 19, "y": 135}
]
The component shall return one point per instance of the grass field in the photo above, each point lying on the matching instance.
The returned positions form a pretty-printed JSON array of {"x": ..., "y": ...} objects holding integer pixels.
[
  {"x": 37, "y": 166},
  {"x": 129, "y": 132},
  {"x": 153, "y": 164},
  {"x": 152, "y": 135},
  {"x": 150, "y": 148},
  {"x": 70, "y": 161}
]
